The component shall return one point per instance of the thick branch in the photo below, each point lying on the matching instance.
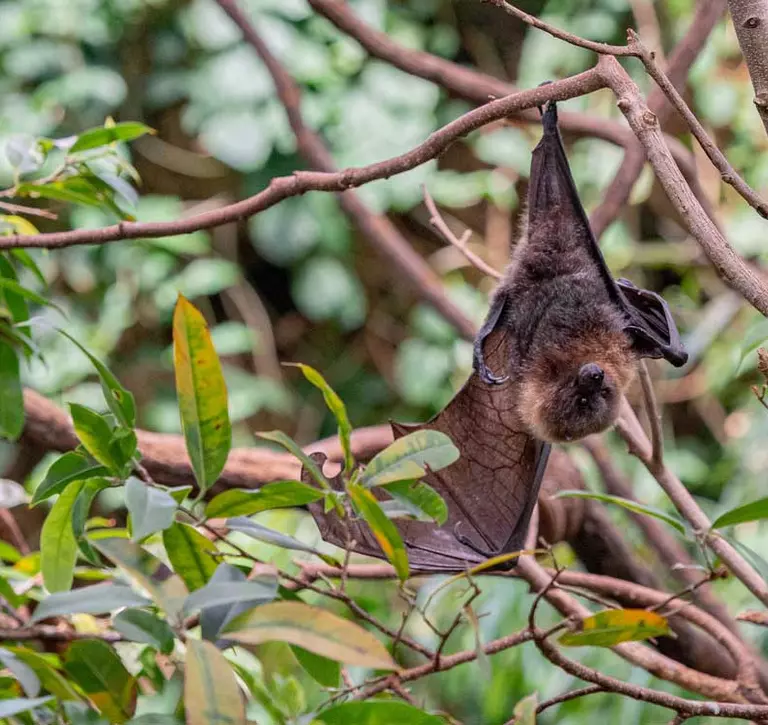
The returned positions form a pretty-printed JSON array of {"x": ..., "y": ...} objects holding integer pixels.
[{"x": 750, "y": 19}]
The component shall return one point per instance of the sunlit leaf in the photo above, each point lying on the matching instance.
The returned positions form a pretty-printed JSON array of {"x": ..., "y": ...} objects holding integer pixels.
[
  {"x": 387, "y": 535},
  {"x": 96, "y": 599},
  {"x": 269, "y": 536},
  {"x": 376, "y": 713},
  {"x": 69, "y": 467},
  {"x": 11, "y": 394},
  {"x": 211, "y": 694},
  {"x": 119, "y": 400},
  {"x": 96, "y": 667},
  {"x": 337, "y": 407},
  {"x": 95, "y": 434},
  {"x": 148, "y": 572},
  {"x": 102, "y": 136},
  {"x": 613, "y": 626},
  {"x": 202, "y": 394},
  {"x": 409, "y": 457},
  {"x": 633, "y": 506},
  {"x": 755, "y": 511},
  {"x": 192, "y": 556},
  {"x": 245, "y": 502},
  {"x": 151, "y": 509},
  {"x": 58, "y": 547},
  {"x": 314, "y": 629},
  {"x": 137, "y": 625}
]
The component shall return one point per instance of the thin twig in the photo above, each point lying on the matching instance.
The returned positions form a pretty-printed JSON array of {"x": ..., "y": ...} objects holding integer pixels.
[
  {"x": 654, "y": 415},
  {"x": 566, "y": 696}
]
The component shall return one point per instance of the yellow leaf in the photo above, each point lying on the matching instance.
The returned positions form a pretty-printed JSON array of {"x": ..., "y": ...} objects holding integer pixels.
[
  {"x": 202, "y": 394},
  {"x": 211, "y": 694},
  {"x": 613, "y": 626}
]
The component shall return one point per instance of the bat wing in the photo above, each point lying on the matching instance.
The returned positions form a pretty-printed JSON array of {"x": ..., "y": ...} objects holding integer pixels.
[
  {"x": 490, "y": 491},
  {"x": 649, "y": 321}
]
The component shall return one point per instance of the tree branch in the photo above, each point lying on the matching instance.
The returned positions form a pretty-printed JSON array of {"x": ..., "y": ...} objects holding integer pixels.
[{"x": 750, "y": 19}]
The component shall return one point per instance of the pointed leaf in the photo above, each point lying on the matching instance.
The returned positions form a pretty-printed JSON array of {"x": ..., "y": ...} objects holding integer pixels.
[
  {"x": 147, "y": 571},
  {"x": 96, "y": 667},
  {"x": 337, "y": 407},
  {"x": 314, "y": 629},
  {"x": 383, "y": 529},
  {"x": 245, "y": 502},
  {"x": 69, "y": 467},
  {"x": 525, "y": 710},
  {"x": 95, "y": 434},
  {"x": 613, "y": 626},
  {"x": 58, "y": 547},
  {"x": 96, "y": 599},
  {"x": 15, "y": 705},
  {"x": 270, "y": 536},
  {"x": 633, "y": 506},
  {"x": 119, "y": 400},
  {"x": 151, "y": 508},
  {"x": 11, "y": 285},
  {"x": 202, "y": 394},
  {"x": 211, "y": 694},
  {"x": 11, "y": 395},
  {"x": 51, "y": 680},
  {"x": 277, "y": 436},
  {"x": 410, "y": 457},
  {"x": 103, "y": 136},
  {"x": 323, "y": 670},
  {"x": 145, "y": 627},
  {"x": 191, "y": 554},
  {"x": 755, "y": 511}
]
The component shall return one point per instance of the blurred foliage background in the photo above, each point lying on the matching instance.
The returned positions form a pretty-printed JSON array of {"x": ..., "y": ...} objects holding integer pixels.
[{"x": 298, "y": 283}]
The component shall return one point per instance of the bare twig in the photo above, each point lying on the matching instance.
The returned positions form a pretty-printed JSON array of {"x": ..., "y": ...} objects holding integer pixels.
[
  {"x": 570, "y": 695},
  {"x": 654, "y": 414},
  {"x": 439, "y": 223}
]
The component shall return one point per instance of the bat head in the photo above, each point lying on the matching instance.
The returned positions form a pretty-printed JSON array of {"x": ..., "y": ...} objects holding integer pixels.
[{"x": 571, "y": 396}]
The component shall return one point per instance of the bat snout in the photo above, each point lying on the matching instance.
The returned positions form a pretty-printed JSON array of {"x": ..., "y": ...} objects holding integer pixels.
[{"x": 590, "y": 378}]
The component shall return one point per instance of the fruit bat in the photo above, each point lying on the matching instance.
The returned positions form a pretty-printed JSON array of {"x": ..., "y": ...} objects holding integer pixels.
[{"x": 555, "y": 354}]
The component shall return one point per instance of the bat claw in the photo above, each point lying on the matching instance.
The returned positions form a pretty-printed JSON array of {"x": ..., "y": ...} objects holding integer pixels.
[
  {"x": 486, "y": 375},
  {"x": 466, "y": 541}
]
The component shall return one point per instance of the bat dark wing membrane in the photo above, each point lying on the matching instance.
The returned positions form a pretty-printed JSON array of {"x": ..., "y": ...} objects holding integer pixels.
[
  {"x": 649, "y": 321},
  {"x": 490, "y": 491}
]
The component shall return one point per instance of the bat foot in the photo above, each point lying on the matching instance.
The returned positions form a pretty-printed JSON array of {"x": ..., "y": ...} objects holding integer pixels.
[
  {"x": 466, "y": 541},
  {"x": 486, "y": 375}
]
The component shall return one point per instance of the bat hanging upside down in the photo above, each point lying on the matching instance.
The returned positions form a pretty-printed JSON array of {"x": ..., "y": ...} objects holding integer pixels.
[{"x": 556, "y": 353}]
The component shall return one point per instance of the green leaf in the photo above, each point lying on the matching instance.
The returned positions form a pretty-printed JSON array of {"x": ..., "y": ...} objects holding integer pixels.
[
  {"x": 270, "y": 536},
  {"x": 633, "y": 506},
  {"x": 525, "y": 710},
  {"x": 202, "y": 394},
  {"x": 420, "y": 498},
  {"x": 383, "y": 529},
  {"x": 82, "y": 193},
  {"x": 377, "y": 713},
  {"x": 22, "y": 256},
  {"x": 226, "y": 595},
  {"x": 15, "y": 705},
  {"x": 323, "y": 670},
  {"x": 613, "y": 626},
  {"x": 26, "y": 676},
  {"x": 211, "y": 694},
  {"x": 151, "y": 508},
  {"x": 147, "y": 571},
  {"x": 51, "y": 680},
  {"x": 96, "y": 667},
  {"x": 95, "y": 434},
  {"x": 755, "y": 511},
  {"x": 410, "y": 457},
  {"x": 245, "y": 502},
  {"x": 290, "y": 445},
  {"x": 119, "y": 400},
  {"x": 191, "y": 554},
  {"x": 91, "y": 488},
  {"x": 11, "y": 394},
  {"x": 337, "y": 407},
  {"x": 69, "y": 467},
  {"x": 313, "y": 628},
  {"x": 145, "y": 627},
  {"x": 105, "y": 135},
  {"x": 58, "y": 547},
  {"x": 96, "y": 599},
  {"x": 13, "y": 286}
]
